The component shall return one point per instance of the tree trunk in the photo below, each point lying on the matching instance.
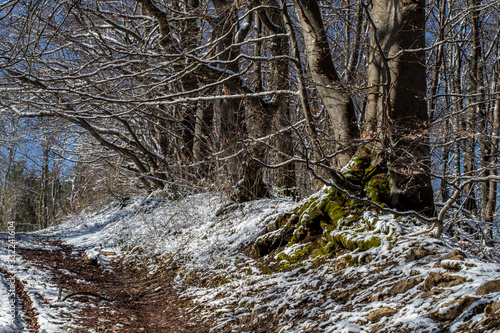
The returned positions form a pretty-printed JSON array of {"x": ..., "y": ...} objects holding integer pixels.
[
  {"x": 477, "y": 117},
  {"x": 473, "y": 108},
  {"x": 43, "y": 208},
  {"x": 353, "y": 59},
  {"x": 202, "y": 130},
  {"x": 396, "y": 107},
  {"x": 495, "y": 133},
  {"x": 280, "y": 80},
  {"x": 335, "y": 97},
  {"x": 232, "y": 112}
]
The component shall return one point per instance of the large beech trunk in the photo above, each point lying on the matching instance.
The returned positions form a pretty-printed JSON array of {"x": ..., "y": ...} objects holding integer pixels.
[
  {"x": 396, "y": 114},
  {"x": 335, "y": 98}
]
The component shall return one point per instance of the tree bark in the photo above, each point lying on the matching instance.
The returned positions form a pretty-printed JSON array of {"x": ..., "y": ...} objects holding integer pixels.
[
  {"x": 396, "y": 107},
  {"x": 334, "y": 95},
  {"x": 280, "y": 80},
  {"x": 495, "y": 133}
]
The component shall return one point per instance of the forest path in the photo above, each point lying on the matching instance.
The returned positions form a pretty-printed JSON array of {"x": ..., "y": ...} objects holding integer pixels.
[
  {"x": 58, "y": 289},
  {"x": 12, "y": 316}
]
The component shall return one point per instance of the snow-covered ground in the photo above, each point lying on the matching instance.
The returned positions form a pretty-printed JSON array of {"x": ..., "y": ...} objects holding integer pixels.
[
  {"x": 27, "y": 291},
  {"x": 404, "y": 285}
]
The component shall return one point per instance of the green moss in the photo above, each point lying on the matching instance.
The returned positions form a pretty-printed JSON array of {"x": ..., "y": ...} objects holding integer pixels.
[
  {"x": 323, "y": 248},
  {"x": 363, "y": 170},
  {"x": 331, "y": 222},
  {"x": 356, "y": 167},
  {"x": 298, "y": 235},
  {"x": 367, "y": 244},
  {"x": 347, "y": 261},
  {"x": 265, "y": 244},
  {"x": 321, "y": 212},
  {"x": 336, "y": 211},
  {"x": 296, "y": 257},
  {"x": 297, "y": 254},
  {"x": 392, "y": 236},
  {"x": 344, "y": 240},
  {"x": 377, "y": 188},
  {"x": 313, "y": 221},
  {"x": 282, "y": 220},
  {"x": 315, "y": 251},
  {"x": 350, "y": 241},
  {"x": 353, "y": 261}
]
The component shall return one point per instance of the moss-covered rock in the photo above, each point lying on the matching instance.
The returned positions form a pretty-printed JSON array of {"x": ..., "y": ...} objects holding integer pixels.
[
  {"x": 272, "y": 240},
  {"x": 295, "y": 253},
  {"x": 355, "y": 170},
  {"x": 351, "y": 241},
  {"x": 316, "y": 215},
  {"x": 325, "y": 225}
]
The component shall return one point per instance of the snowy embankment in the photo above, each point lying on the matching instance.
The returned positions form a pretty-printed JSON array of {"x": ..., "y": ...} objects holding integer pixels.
[{"x": 400, "y": 284}]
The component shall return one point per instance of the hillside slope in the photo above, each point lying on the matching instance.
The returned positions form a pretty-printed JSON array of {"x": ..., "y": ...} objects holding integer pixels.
[{"x": 363, "y": 273}]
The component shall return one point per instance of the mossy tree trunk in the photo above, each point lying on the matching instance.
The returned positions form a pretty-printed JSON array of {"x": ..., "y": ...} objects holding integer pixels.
[{"x": 396, "y": 114}]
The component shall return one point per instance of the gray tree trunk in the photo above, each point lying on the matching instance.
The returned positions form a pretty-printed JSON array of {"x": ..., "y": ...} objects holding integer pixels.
[
  {"x": 396, "y": 114},
  {"x": 280, "y": 80},
  {"x": 336, "y": 99}
]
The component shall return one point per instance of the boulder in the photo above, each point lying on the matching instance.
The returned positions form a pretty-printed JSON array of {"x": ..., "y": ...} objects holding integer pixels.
[
  {"x": 489, "y": 287},
  {"x": 266, "y": 243},
  {"x": 452, "y": 310},
  {"x": 491, "y": 308},
  {"x": 433, "y": 292},
  {"x": 90, "y": 258},
  {"x": 454, "y": 255},
  {"x": 376, "y": 315},
  {"x": 399, "y": 288},
  {"x": 442, "y": 280},
  {"x": 451, "y": 261},
  {"x": 419, "y": 253}
]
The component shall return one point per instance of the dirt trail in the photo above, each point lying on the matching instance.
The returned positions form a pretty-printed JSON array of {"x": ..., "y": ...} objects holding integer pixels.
[
  {"x": 115, "y": 300},
  {"x": 24, "y": 316}
]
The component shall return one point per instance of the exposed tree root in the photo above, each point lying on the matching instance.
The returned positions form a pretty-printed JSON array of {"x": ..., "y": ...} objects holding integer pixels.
[{"x": 89, "y": 293}]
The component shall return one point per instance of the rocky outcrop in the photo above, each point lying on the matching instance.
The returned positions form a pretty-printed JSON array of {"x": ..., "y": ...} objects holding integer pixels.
[
  {"x": 452, "y": 261},
  {"x": 376, "y": 315},
  {"x": 399, "y": 288},
  {"x": 452, "y": 310},
  {"x": 442, "y": 280},
  {"x": 489, "y": 287},
  {"x": 417, "y": 253},
  {"x": 491, "y": 308}
]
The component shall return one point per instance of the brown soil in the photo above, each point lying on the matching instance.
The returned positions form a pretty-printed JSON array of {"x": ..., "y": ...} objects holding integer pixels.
[{"x": 117, "y": 299}]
